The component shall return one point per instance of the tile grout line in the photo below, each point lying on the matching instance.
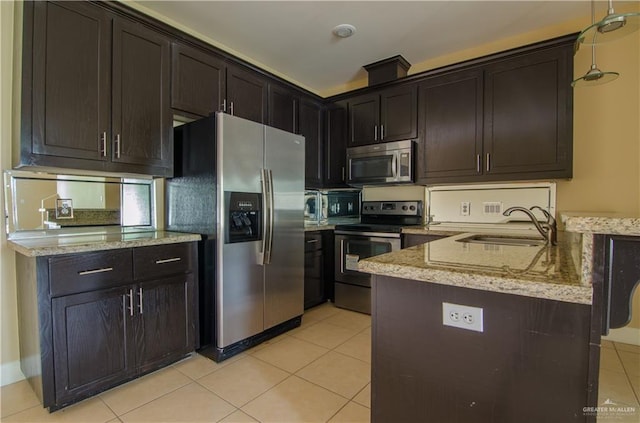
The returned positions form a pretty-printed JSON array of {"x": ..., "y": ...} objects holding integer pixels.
[{"x": 626, "y": 374}]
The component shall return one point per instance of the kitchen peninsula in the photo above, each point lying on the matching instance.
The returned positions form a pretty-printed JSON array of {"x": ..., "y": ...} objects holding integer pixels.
[{"x": 536, "y": 355}]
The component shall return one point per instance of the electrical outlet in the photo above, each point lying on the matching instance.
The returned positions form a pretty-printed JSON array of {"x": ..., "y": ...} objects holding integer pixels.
[
  {"x": 461, "y": 316},
  {"x": 465, "y": 208}
]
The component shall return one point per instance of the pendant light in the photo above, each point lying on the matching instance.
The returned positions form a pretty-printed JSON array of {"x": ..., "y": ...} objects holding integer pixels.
[
  {"x": 612, "y": 27},
  {"x": 594, "y": 76}
]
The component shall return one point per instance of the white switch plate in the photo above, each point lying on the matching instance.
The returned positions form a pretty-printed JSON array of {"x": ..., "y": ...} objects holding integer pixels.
[{"x": 463, "y": 317}]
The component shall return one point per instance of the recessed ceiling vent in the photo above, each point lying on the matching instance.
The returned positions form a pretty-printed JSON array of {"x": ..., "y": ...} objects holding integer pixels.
[{"x": 387, "y": 70}]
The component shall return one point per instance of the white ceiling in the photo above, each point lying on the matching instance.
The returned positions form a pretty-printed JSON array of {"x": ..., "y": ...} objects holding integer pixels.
[{"x": 294, "y": 37}]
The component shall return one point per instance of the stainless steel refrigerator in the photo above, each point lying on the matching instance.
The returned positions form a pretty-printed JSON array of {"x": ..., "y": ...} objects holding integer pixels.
[{"x": 241, "y": 185}]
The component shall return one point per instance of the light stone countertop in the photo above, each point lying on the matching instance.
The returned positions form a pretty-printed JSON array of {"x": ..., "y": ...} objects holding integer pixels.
[
  {"x": 106, "y": 240},
  {"x": 541, "y": 271},
  {"x": 601, "y": 223},
  {"x": 311, "y": 228}
]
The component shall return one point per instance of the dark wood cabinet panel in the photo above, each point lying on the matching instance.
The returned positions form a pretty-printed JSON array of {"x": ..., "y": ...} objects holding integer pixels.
[
  {"x": 283, "y": 108},
  {"x": 387, "y": 115},
  {"x": 399, "y": 113},
  {"x": 336, "y": 147},
  {"x": 528, "y": 114},
  {"x": 498, "y": 373},
  {"x": 91, "y": 332},
  {"x": 621, "y": 279},
  {"x": 450, "y": 115},
  {"x": 71, "y": 81},
  {"x": 364, "y": 119},
  {"x": 310, "y": 126},
  {"x": 95, "y": 91},
  {"x": 314, "y": 284},
  {"x": 197, "y": 80},
  {"x": 166, "y": 311},
  {"x": 246, "y": 94},
  {"x": 141, "y": 116}
]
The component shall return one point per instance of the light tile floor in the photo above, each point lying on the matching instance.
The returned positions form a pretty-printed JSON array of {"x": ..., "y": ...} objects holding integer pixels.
[{"x": 319, "y": 372}]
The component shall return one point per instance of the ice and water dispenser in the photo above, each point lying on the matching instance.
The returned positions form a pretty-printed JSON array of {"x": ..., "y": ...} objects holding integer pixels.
[{"x": 244, "y": 213}]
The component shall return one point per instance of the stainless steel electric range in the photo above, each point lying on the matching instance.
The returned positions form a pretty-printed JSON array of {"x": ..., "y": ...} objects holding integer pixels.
[{"x": 378, "y": 232}]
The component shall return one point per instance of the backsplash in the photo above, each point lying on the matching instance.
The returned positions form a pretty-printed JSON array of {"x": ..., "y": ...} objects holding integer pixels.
[{"x": 37, "y": 201}]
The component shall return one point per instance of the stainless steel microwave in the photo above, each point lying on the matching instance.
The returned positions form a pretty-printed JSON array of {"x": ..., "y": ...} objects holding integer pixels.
[{"x": 383, "y": 163}]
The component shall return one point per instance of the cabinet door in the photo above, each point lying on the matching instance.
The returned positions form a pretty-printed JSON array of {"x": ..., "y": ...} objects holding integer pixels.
[
  {"x": 71, "y": 81},
  {"x": 364, "y": 119},
  {"x": 528, "y": 115},
  {"x": 398, "y": 113},
  {"x": 197, "y": 80},
  {"x": 450, "y": 142},
  {"x": 313, "y": 278},
  {"x": 311, "y": 129},
  {"x": 91, "y": 332},
  {"x": 336, "y": 148},
  {"x": 141, "y": 115},
  {"x": 246, "y": 94},
  {"x": 283, "y": 108},
  {"x": 166, "y": 311}
]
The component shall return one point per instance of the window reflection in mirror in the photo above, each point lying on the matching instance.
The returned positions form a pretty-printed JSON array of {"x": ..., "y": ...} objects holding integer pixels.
[{"x": 41, "y": 201}]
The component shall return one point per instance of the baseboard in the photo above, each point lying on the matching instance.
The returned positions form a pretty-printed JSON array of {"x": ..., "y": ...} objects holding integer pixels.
[
  {"x": 625, "y": 335},
  {"x": 10, "y": 373}
]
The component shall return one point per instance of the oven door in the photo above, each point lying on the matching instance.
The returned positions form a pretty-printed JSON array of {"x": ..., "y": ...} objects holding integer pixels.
[{"x": 352, "y": 248}]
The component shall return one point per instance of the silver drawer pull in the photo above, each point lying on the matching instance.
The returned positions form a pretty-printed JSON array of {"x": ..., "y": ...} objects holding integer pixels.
[
  {"x": 311, "y": 241},
  {"x": 91, "y": 272},
  {"x": 169, "y": 260}
]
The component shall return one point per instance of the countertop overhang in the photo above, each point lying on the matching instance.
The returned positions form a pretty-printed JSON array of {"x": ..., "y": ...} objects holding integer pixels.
[
  {"x": 541, "y": 271},
  {"x": 95, "y": 241}
]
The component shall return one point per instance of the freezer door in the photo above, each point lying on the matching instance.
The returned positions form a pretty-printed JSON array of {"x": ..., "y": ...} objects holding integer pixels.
[
  {"x": 284, "y": 274},
  {"x": 239, "y": 282}
]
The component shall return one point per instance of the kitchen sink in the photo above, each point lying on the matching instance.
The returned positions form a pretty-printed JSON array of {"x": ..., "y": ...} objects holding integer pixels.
[{"x": 503, "y": 240}]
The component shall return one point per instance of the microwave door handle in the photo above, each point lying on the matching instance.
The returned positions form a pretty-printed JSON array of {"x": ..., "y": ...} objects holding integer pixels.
[{"x": 394, "y": 166}]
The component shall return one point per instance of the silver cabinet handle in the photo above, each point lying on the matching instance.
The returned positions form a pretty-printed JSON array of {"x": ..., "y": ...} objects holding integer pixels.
[
  {"x": 130, "y": 295},
  {"x": 169, "y": 260},
  {"x": 381, "y": 132},
  {"x": 312, "y": 241},
  {"x": 488, "y": 162},
  {"x": 224, "y": 105},
  {"x": 117, "y": 146},
  {"x": 343, "y": 174},
  {"x": 231, "y": 107},
  {"x": 140, "y": 300},
  {"x": 91, "y": 272},
  {"x": 103, "y": 144},
  {"x": 375, "y": 133},
  {"x": 478, "y": 163}
]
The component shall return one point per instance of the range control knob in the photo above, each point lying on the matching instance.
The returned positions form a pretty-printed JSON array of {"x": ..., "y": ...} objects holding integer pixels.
[
  {"x": 412, "y": 208},
  {"x": 404, "y": 207}
]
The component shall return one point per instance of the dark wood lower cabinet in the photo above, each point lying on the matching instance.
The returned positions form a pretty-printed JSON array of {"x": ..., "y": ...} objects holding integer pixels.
[
  {"x": 535, "y": 361},
  {"x": 95, "y": 320}
]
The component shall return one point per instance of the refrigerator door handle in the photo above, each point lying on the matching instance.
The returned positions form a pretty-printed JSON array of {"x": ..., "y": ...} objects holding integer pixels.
[
  {"x": 269, "y": 241},
  {"x": 265, "y": 213}
]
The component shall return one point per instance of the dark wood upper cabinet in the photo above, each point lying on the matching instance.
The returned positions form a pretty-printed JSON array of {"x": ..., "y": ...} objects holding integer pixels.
[
  {"x": 528, "y": 114},
  {"x": 141, "y": 115},
  {"x": 399, "y": 113},
  {"x": 95, "y": 91},
  {"x": 336, "y": 145},
  {"x": 71, "y": 82},
  {"x": 246, "y": 94},
  {"x": 450, "y": 116},
  {"x": 197, "y": 80},
  {"x": 510, "y": 118},
  {"x": 388, "y": 115},
  {"x": 283, "y": 108},
  {"x": 311, "y": 128}
]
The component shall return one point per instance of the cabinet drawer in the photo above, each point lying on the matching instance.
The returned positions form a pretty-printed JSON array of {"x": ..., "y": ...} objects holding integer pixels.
[
  {"x": 90, "y": 271},
  {"x": 312, "y": 241},
  {"x": 161, "y": 260}
]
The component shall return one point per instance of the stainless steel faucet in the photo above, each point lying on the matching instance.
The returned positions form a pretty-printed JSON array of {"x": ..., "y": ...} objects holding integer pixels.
[{"x": 547, "y": 229}]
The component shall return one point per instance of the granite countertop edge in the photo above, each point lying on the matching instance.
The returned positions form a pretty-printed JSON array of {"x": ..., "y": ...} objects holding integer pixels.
[
  {"x": 601, "y": 223},
  {"x": 48, "y": 246}
]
